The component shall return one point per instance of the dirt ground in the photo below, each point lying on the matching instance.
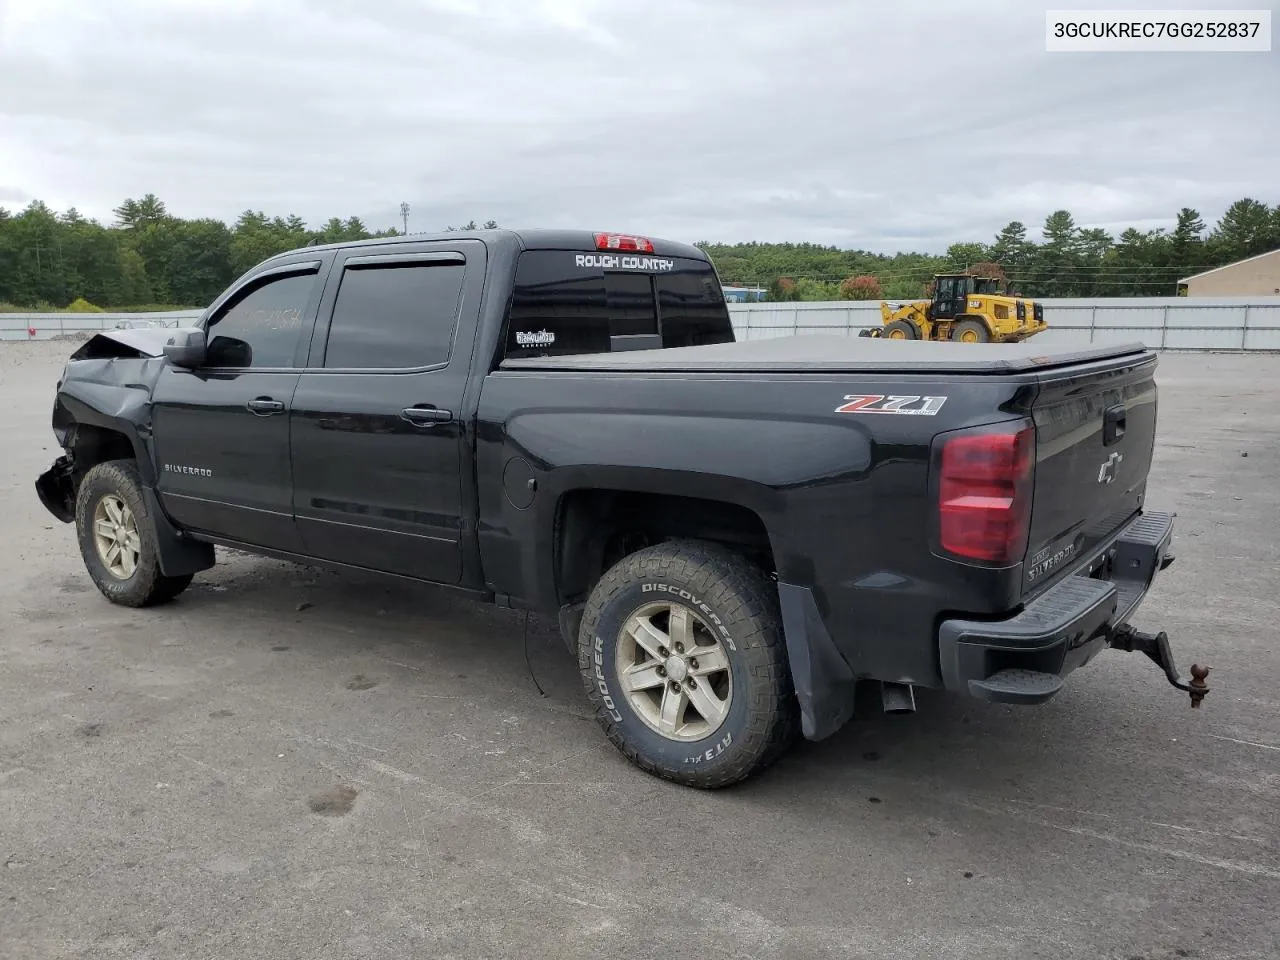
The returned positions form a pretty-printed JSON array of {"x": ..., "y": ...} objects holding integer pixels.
[{"x": 287, "y": 763}]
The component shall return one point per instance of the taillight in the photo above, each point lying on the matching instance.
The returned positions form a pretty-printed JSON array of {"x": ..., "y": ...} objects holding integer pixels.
[
  {"x": 620, "y": 241},
  {"x": 984, "y": 494}
]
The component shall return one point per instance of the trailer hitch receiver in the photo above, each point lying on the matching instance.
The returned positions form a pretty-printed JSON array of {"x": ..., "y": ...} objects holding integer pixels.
[{"x": 1156, "y": 646}]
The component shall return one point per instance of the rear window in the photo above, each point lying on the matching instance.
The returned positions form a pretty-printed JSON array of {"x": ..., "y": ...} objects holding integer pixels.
[{"x": 560, "y": 306}]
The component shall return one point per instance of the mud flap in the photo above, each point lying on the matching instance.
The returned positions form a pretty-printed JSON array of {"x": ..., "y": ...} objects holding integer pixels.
[
  {"x": 823, "y": 682},
  {"x": 178, "y": 554}
]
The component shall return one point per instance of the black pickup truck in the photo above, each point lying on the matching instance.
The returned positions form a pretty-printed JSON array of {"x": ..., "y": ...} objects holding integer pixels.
[{"x": 734, "y": 535}]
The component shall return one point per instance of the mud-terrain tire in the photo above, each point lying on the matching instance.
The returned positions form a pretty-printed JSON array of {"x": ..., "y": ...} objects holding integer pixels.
[
  {"x": 740, "y": 713},
  {"x": 111, "y": 512}
]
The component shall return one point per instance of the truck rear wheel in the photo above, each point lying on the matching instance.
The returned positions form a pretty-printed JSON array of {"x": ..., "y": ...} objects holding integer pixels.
[
  {"x": 683, "y": 658},
  {"x": 117, "y": 538}
]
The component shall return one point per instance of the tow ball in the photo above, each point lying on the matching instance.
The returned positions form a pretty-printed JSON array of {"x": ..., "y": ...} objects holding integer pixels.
[{"x": 1156, "y": 646}]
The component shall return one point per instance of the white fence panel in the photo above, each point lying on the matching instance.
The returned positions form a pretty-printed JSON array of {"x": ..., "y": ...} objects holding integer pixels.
[
  {"x": 1223, "y": 318},
  {"x": 1164, "y": 323},
  {"x": 46, "y": 326},
  {"x": 1173, "y": 323}
]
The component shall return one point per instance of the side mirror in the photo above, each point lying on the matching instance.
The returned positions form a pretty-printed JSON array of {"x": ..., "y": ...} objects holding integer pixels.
[{"x": 186, "y": 348}]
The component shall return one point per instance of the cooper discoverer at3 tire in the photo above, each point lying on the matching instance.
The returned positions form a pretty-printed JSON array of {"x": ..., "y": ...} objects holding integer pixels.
[
  {"x": 117, "y": 538},
  {"x": 683, "y": 659}
]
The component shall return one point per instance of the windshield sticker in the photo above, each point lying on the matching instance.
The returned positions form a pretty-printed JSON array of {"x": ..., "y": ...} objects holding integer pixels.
[
  {"x": 535, "y": 338},
  {"x": 879, "y": 403},
  {"x": 610, "y": 261}
]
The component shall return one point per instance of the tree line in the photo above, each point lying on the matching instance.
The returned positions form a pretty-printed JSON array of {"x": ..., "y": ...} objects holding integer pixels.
[
  {"x": 148, "y": 258},
  {"x": 1066, "y": 260}
]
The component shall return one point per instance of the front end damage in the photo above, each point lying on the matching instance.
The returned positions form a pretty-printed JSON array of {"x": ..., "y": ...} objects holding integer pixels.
[
  {"x": 102, "y": 412},
  {"x": 56, "y": 488}
]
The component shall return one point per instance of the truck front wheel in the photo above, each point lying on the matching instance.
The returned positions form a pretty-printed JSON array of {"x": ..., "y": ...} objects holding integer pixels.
[
  {"x": 683, "y": 658},
  {"x": 117, "y": 538}
]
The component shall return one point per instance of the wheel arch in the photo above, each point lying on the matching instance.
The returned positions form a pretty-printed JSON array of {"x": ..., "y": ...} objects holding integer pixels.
[
  {"x": 593, "y": 513},
  {"x": 594, "y": 526},
  {"x": 96, "y": 422}
]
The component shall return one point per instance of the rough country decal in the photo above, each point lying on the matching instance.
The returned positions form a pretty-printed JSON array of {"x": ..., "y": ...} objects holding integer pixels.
[
  {"x": 535, "y": 338},
  {"x": 691, "y": 598},
  {"x": 612, "y": 261},
  {"x": 189, "y": 471},
  {"x": 880, "y": 403},
  {"x": 600, "y": 681}
]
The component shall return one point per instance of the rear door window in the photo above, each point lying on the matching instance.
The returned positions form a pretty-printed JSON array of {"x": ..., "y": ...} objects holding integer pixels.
[
  {"x": 394, "y": 315},
  {"x": 559, "y": 307}
]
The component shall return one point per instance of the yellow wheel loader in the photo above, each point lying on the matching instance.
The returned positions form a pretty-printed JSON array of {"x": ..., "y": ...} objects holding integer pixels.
[{"x": 964, "y": 308}]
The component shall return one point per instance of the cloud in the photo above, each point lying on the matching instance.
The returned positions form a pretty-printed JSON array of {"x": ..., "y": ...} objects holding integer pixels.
[{"x": 899, "y": 126}]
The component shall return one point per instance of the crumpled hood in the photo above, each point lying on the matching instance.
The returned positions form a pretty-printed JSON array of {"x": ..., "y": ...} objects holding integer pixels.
[{"x": 141, "y": 342}]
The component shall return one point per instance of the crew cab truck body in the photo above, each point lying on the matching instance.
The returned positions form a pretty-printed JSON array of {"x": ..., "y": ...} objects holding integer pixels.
[{"x": 732, "y": 534}]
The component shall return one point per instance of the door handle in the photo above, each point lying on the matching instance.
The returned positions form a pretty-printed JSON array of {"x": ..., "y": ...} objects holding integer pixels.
[
  {"x": 264, "y": 406},
  {"x": 426, "y": 416}
]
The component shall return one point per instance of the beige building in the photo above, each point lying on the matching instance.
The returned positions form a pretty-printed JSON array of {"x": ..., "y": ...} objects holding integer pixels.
[{"x": 1252, "y": 277}]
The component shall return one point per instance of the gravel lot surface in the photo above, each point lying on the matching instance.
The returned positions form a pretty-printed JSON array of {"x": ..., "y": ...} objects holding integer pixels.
[{"x": 291, "y": 763}]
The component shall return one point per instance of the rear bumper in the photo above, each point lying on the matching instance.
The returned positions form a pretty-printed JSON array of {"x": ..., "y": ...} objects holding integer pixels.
[{"x": 1026, "y": 658}]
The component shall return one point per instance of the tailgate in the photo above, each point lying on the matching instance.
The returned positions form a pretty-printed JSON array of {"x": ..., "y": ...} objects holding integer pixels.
[{"x": 1095, "y": 429}]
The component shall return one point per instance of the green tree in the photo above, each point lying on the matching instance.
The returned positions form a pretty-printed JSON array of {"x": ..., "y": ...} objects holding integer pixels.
[
  {"x": 961, "y": 256},
  {"x": 135, "y": 285},
  {"x": 1186, "y": 244},
  {"x": 254, "y": 238},
  {"x": 1092, "y": 246},
  {"x": 1012, "y": 250},
  {"x": 1245, "y": 230},
  {"x": 1138, "y": 265},
  {"x": 356, "y": 230},
  {"x": 134, "y": 213},
  {"x": 1054, "y": 265},
  {"x": 199, "y": 261}
]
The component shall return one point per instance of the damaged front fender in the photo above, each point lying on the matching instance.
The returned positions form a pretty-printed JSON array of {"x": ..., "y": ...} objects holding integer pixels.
[
  {"x": 103, "y": 409},
  {"x": 102, "y": 412}
]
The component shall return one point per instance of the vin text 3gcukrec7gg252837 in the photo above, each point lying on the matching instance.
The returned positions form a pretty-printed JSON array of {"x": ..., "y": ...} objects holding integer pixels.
[{"x": 734, "y": 536}]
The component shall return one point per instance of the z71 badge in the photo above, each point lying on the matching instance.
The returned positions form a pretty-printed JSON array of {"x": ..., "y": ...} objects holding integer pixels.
[{"x": 879, "y": 403}]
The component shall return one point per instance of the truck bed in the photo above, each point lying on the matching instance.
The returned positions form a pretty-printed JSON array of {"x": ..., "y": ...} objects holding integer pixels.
[{"x": 820, "y": 353}]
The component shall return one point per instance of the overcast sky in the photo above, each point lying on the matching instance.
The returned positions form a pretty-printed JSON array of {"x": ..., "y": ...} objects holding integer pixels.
[{"x": 892, "y": 124}]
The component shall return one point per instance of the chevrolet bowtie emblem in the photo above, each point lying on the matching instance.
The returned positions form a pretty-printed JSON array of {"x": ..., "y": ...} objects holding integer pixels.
[{"x": 1107, "y": 472}]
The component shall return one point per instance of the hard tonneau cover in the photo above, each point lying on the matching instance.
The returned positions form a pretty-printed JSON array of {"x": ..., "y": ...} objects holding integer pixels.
[{"x": 815, "y": 353}]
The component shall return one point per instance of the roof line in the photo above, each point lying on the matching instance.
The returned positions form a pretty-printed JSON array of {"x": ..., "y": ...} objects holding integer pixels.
[{"x": 1235, "y": 263}]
